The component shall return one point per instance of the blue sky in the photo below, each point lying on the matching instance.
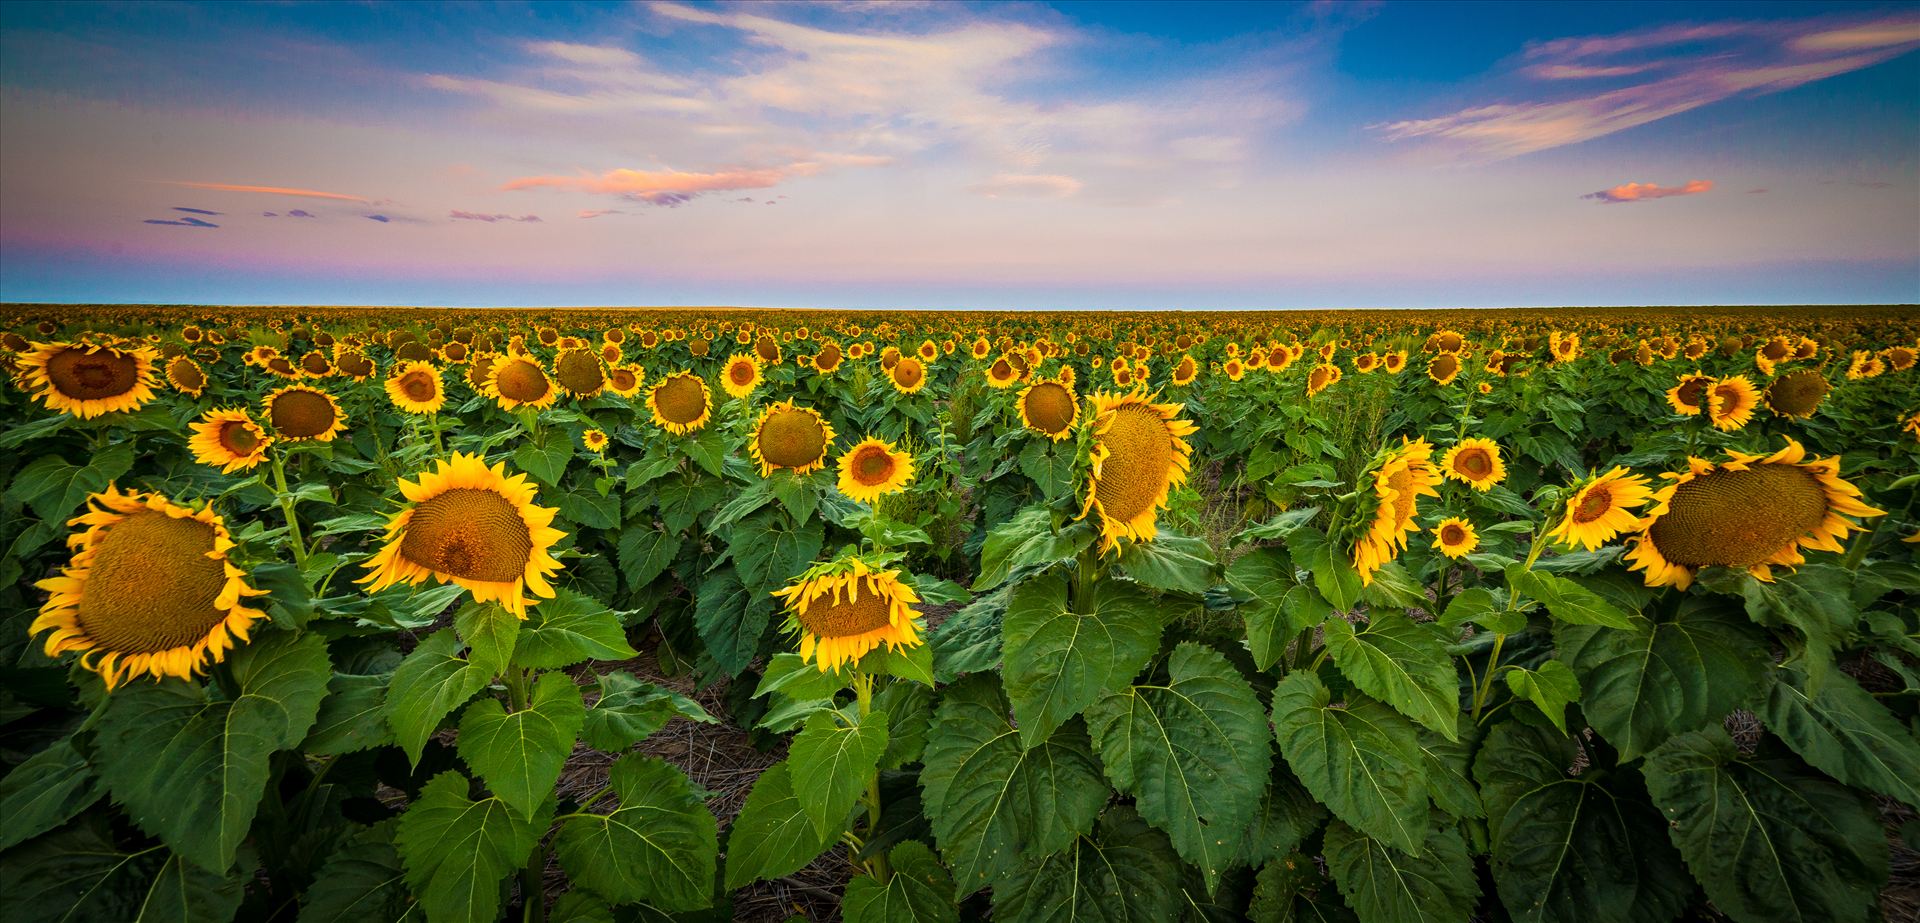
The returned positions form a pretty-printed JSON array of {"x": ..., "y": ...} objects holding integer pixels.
[{"x": 1066, "y": 155}]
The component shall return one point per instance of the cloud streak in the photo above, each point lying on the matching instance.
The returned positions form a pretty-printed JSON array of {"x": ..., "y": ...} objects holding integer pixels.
[
  {"x": 194, "y": 211},
  {"x": 273, "y": 190},
  {"x": 182, "y": 222},
  {"x": 669, "y": 188},
  {"x": 1027, "y": 186},
  {"x": 459, "y": 215},
  {"x": 1644, "y": 192}
]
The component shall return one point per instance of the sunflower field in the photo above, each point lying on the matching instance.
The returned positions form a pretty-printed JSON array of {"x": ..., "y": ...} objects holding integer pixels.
[{"x": 331, "y": 614}]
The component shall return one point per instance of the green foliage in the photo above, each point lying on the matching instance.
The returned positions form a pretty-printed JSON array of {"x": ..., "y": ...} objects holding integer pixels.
[
  {"x": 1058, "y": 661},
  {"x": 831, "y": 762},
  {"x": 1361, "y": 759},
  {"x": 918, "y": 892},
  {"x": 657, "y": 846},
  {"x": 1122, "y": 871},
  {"x": 773, "y": 835},
  {"x": 456, "y": 851},
  {"x": 519, "y": 753}
]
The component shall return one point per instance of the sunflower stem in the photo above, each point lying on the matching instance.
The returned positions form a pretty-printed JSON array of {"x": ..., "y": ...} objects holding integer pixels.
[
  {"x": 863, "y": 688},
  {"x": 286, "y": 507}
]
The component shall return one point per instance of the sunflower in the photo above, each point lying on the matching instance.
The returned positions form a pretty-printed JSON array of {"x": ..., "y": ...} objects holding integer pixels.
[
  {"x": 1796, "y": 394},
  {"x": 1001, "y": 374},
  {"x": 929, "y": 350},
  {"x": 1475, "y": 463},
  {"x": 1899, "y": 358},
  {"x": 1455, "y": 537},
  {"x": 1730, "y": 402},
  {"x": 315, "y": 364},
  {"x": 354, "y": 364},
  {"x": 625, "y": 380},
  {"x": 680, "y": 403},
  {"x": 1565, "y": 347},
  {"x": 595, "y": 441},
  {"x": 1366, "y": 362},
  {"x": 1864, "y": 365},
  {"x": 474, "y": 526},
  {"x": 827, "y": 359},
  {"x": 872, "y": 469},
  {"x": 186, "y": 376},
  {"x": 1598, "y": 510},
  {"x": 519, "y": 381},
  {"x": 1750, "y": 512},
  {"x": 229, "y": 440},
  {"x": 85, "y": 380},
  {"x": 149, "y": 590},
  {"x": 1233, "y": 369},
  {"x": 909, "y": 375},
  {"x": 842, "y": 609},
  {"x": 1394, "y": 361},
  {"x": 300, "y": 413},
  {"x": 792, "y": 437},
  {"x": 579, "y": 372},
  {"x": 1138, "y": 456},
  {"x": 1321, "y": 378},
  {"x": 1689, "y": 396},
  {"x": 1049, "y": 407},
  {"x": 1444, "y": 368},
  {"x": 980, "y": 349},
  {"x": 415, "y": 387},
  {"x": 741, "y": 375},
  {"x": 1403, "y": 476},
  {"x": 767, "y": 349}
]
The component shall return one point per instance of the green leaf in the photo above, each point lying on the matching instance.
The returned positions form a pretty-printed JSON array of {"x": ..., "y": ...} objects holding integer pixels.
[
  {"x": 1485, "y": 608},
  {"x": 1286, "y": 815},
  {"x": 1125, "y": 872},
  {"x": 629, "y": 711},
  {"x": 1567, "y": 601},
  {"x": 831, "y": 764},
  {"x": 1768, "y": 838},
  {"x": 519, "y": 755},
  {"x": 795, "y": 677},
  {"x": 1445, "y": 764},
  {"x": 1273, "y": 626},
  {"x": 590, "y": 510},
  {"x": 353, "y": 716},
  {"x": 1290, "y": 890},
  {"x": 46, "y": 791},
  {"x": 1193, "y": 753},
  {"x": 731, "y": 620},
  {"x": 1658, "y": 679},
  {"x": 77, "y": 873},
  {"x": 772, "y": 837},
  {"x": 456, "y": 850},
  {"x": 567, "y": 629},
  {"x": 909, "y": 663},
  {"x": 546, "y": 460},
  {"x": 1362, "y": 759},
  {"x": 17, "y": 436},
  {"x": 1262, "y": 575},
  {"x": 1403, "y": 663},
  {"x": 795, "y": 493},
  {"x": 1393, "y": 587},
  {"x": 1580, "y": 849},
  {"x": 909, "y": 708},
  {"x": 490, "y": 632},
  {"x": 1383, "y": 883},
  {"x": 1048, "y": 467},
  {"x": 1840, "y": 729},
  {"x": 657, "y": 847},
  {"x": 920, "y": 891},
  {"x": 1172, "y": 562},
  {"x": 1551, "y": 688},
  {"x": 1332, "y": 568},
  {"x": 191, "y": 770},
  {"x": 427, "y": 686},
  {"x": 1058, "y": 661},
  {"x": 55, "y": 489},
  {"x": 646, "y": 552},
  {"x": 1029, "y": 539},
  {"x": 363, "y": 882},
  {"x": 1815, "y": 603},
  {"x": 996, "y": 806},
  {"x": 708, "y": 449}
]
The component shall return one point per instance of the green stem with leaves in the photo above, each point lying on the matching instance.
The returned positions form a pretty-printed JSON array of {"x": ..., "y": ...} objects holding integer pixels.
[
  {"x": 1485, "y": 689},
  {"x": 863, "y": 689},
  {"x": 286, "y": 507}
]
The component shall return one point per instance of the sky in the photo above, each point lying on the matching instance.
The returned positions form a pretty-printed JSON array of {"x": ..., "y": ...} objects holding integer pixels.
[{"x": 1064, "y": 155}]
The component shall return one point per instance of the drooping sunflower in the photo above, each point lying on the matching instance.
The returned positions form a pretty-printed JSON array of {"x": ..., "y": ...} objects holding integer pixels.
[
  {"x": 300, "y": 413},
  {"x": 1730, "y": 402},
  {"x": 625, "y": 380},
  {"x": 741, "y": 375},
  {"x": 1475, "y": 463},
  {"x": 474, "y": 526},
  {"x": 186, "y": 376},
  {"x": 1403, "y": 476},
  {"x": 229, "y": 440},
  {"x": 1600, "y": 509},
  {"x": 680, "y": 403},
  {"x": 1455, "y": 537},
  {"x": 595, "y": 441},
  {"x": 1050, "y": 408},
  {"x": 908, "y": 375},
  {"x": 86, "y": 380},
  {"x": 1138, "y": 457},
  {"x": 1322, "y": 377},
  {"x": 1688, "y": 397},
  {"x": 1185, "y": 372},
  {"x": 1751, "y": 511},
  {"x": 792, "y": 437},
  {"x": 149, "y": 590},
  {"x": 578, "y": 371},
  {"x": 1797, "y": 394},
  {"x": 872, "y": 469},
  {"x": 519, "y": 381},
  {"x": 843, "y": 609},
  {"x": 415, "y": 387}
]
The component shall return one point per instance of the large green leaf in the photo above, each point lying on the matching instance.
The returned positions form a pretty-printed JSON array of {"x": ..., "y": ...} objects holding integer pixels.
[
  {"x": 1573, "y": 849},
  {"x": 1193, "y": 752},
  {"x": 1768, "y": 838},
  {"x": 1027, "y": 540},
  {"x": 831, "y": 764},
  {"x": 427, "y": 686},
  {"x": 657, "y": 847},
  {"x": 1551, "y": 688},
  {"x": 1445, "y": 763},
  {"x": 190, "y": 768},
  {"x": 731, "y": 620},
  {"x": 457, "y": 851},
  {"x": 363, "y": 882},
  {"x": 46, "y": 791},
  {"x": 1403, "y": 663},
  {"x": 1360, "y": 759},
  {"x": 490, "y": 632},
  {"x": 519, "y": 754},
  {"x": 1124, "y": 872},
  {"x": 997, "y": 806},
  {"x": 77, "y": 874},
  {"x": 1385, "y": 885},
  {"x": 1290, "y": 889},
  {"x": 772, "y": 836},
  {"x": 1656, "y": 679},
  {"x": 1286, "y": 815},
  {"x": 353, "y": 717},
  {"x": 1815, "y": 603},
  {"x": 1568, "y": 602},
  {"x": 646, "y": 551},
  {"x": 1277, "y": 609},
  {"x": 1332, "y": 567},
  {"x": 1173, "y": 562},
  {"x": 1058, "y": 661},
  {"x": 1838, "y": 728},
  {"x": 920, "y": 891},
  {"x": 567, "y": 629},
  {"x": 629, "y": 711}
]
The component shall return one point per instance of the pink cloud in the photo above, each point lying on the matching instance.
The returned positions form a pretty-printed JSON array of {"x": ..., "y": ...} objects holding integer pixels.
[
  {"x": 597, "y": 212},
  {"x": 667, "y": 187},
  {"x": 477, "y": 216},
  {"x": 1027, "y": 186},
  {"x": 1640, "y": 192},
  {"x": 274, "y": 190}
]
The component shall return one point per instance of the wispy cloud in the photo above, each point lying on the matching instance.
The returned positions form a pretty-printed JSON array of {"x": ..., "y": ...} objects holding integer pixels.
[
  {"x": 273, "y": 190},
  {"x": 194, "y": 211},
  {"x": 598, "y": 212},
  {"x": 182, "y": 222},
  {"x": 290, "y": 213},
  {"x": 383, "y": 219},
  {"x": 459, "y": 215},
  {"x": 667, "y": 187},
  {"x": 1642, "y": 192},
  {"x": 1677, "y": 69},
  {"x": 1027, "y": 186}
]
